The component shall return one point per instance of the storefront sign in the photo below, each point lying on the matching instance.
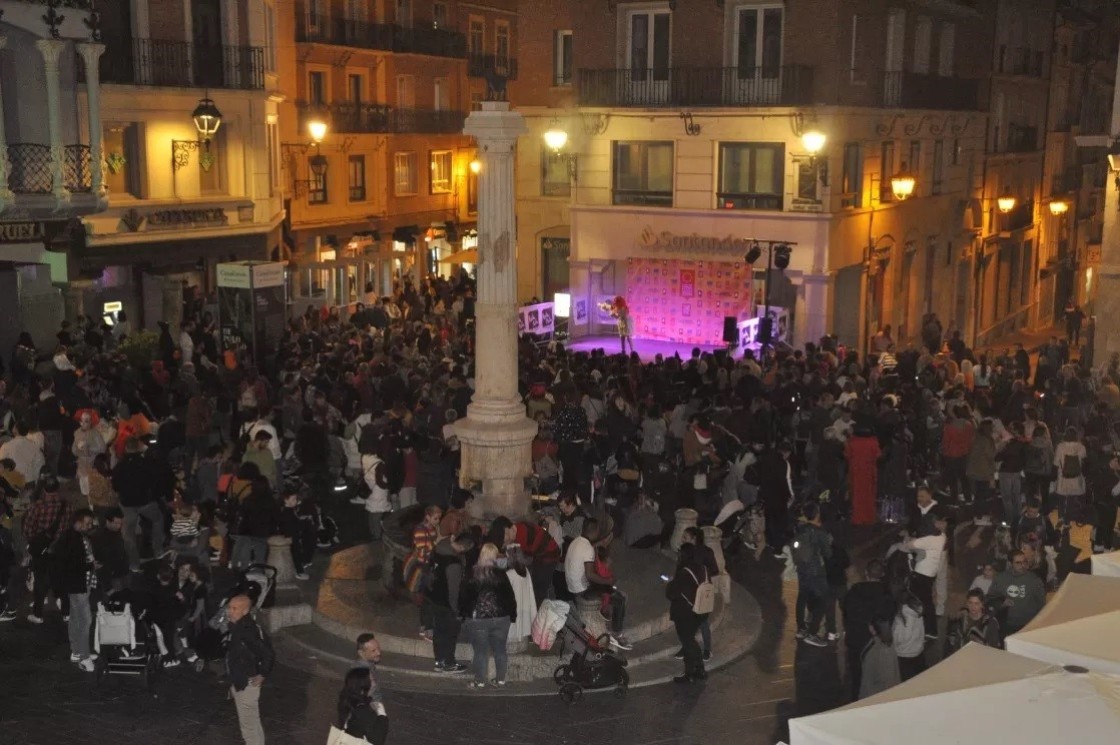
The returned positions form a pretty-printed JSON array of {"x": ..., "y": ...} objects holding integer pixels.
[
  {"x": 31, "y": 231},
  {"x": 670, "y": 242},
  {"x": 236, "y": 275},
  {"x": 196, "y": 218}
]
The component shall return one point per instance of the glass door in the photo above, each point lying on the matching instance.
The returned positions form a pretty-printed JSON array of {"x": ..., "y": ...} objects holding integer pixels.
[
  {"x": 647, "y": 52},
  {"x": 758, "y": 55}
]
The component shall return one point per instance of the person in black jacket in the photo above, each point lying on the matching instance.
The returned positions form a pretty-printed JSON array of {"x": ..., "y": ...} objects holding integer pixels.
[
  {"x": 707, "y": 557},
  {"x": 358, "y": 716},
  {"x": 681, "y": 593},
  {"x": 132, "y": 480},
  {"x": 258, "y": 516},
  {"x": 862, "y": 604},
  {"x": 489, "y": 606},
  {"x": 249, "y": 658},
  {"x": 775, "y": 492},
  {"x": 442, "y": 598},
  {"x": 110, "y": 549},
  {"x": 76, "y": 576}
]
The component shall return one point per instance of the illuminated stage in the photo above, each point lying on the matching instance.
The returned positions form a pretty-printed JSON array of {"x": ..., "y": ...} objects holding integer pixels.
[{"x": 647, "y": 349}]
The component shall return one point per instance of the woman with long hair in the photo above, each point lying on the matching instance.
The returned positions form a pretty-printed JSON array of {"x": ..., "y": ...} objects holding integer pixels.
[
  {"x": 357, "y": 715},
  {"x": 489, "y": 606}
]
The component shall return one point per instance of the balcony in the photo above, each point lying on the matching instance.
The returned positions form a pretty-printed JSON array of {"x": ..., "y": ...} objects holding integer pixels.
[
  {"x": 481, "y": 65},
  {"x": 385, "y": 37},
  {"x": 696, "y": 86},
  {"x": 30, "y": 169},
  {"x": 371, "y": 118},
  {"x": 911, "y": 90},
  {"x": 180, "y": 64}
]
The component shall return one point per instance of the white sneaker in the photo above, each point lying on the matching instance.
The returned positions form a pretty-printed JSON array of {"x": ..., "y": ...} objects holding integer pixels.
[
  {"x": 34, "y": 619},
  {"x": 75, "y": 657},
  {"x": 87, "y": 665},
  {"x": 302, "y": 575}
]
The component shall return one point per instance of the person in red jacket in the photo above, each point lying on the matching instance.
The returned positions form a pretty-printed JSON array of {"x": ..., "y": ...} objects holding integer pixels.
[
  {"x": 536, "y": 544},
  {"x": 956, "y": 442}
]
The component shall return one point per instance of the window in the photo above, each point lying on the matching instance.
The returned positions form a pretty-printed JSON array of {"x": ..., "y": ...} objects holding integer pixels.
[
  {"x": 317, "y": 186},
  {"x": 317, "y": 87},
  {"x": 315, "y": 20},
  {"x": 562, "y": 58},
  {"x": 938, "y": 166},
  {"x": 404, "y": 13},
  {"x": 923, "y": 30},
  {"x": 404, "y": 174},
  {"x": 440, "y": 182},
  {"x": 439, "y": 15},
  {"x": 758, "y": 41},
  {"x": 211, "y": 164},
  {"x": 856, "y": 54},
  {"x": 555, "y": 181},
  {"x": 751, "y": 175},
  {"x": 643, "y": 173},
  {"x": 886, "y": 171},
  {"x": 441, "y": 95},
  {"x": 1028, "y": 264},
  {"x": 915, "y": 163},
  {"x": 945, "y": 50},
  {"x": 476, "y": 37},
  {"x": 501, "y": 45},
  {"x": 406, "y": 92},
  {"x": 272, "y": 135},
  {"x": 956, "y": 154},
  {"x": 851, "y": 182},
  {"x": 356, "y": 165},
  {"x": 269, "y": 38},
  {"x": 355, "y": 85},
  {"x": 648, "y": 45},
  {"x": 122, "y": 159}
]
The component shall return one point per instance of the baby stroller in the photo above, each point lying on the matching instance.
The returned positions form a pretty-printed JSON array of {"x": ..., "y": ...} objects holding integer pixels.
[
  {"x": 125, "y": 643},
  {"x": 593, "y": 664},
  {"x": 258, "y": 582}
]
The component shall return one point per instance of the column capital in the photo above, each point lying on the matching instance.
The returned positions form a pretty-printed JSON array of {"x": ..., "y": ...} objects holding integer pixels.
[
  {"x": 51, "y": 49},
  {"x": 91, "y": 51},
  {"x": 495, "y": 123}
]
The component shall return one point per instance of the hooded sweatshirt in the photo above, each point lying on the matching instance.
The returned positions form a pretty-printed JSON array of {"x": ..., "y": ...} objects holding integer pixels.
[{"x": 909, "y": 632}]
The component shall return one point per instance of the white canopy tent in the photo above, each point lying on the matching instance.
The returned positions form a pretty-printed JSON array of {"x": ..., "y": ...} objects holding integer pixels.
[
  {"x": 1107, "y": 565},
  {"x": 970, "y": 698},
  {"x": 1077, "y": 627}
]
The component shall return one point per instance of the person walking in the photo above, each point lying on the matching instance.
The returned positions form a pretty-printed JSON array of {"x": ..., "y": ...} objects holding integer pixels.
[
  {"x": 489, "y": 607},
  {"x": 358, "y": 715},
  {"x": 249, "y": 658},
  {"x": 76, "y": 576},
  {"x": 812, "y": 548},
  {"x": 682, "y": 593},
  {"x": 369, "y": 653},
  {"x": 442, "y": 599},
  {"x": 41, "y": 526}
]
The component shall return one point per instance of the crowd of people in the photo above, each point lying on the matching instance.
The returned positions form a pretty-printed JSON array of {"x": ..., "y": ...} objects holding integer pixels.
[{"x": 182, "y": 465}]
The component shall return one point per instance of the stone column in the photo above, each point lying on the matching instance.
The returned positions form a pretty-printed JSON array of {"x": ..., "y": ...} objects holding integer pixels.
[
  {"x": 1106, "y": 334},
  {"x": 496, "y": 434},
  {"x": 6, "y": 196},
  {"x": 91, "y": 53},
  {"x": 685, "y": 518},
  {"x": 51, "y": 49}
]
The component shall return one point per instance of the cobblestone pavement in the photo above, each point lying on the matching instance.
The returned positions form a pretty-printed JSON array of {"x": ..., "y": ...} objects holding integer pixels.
[{"x": 44, "y": 699}]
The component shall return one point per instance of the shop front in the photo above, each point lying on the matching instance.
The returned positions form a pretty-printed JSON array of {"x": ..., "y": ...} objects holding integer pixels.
[{"x": 683, "y": 273}]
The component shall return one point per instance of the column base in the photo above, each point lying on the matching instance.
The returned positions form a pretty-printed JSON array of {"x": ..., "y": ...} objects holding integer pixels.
[{"x": 497, "y": 455}]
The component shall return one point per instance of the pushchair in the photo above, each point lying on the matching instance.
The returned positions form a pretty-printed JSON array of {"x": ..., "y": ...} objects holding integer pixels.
[
  {"x": 593, "y": 664},
  {"x": 258, "y": 582},
  {"x": 125, "y": 643}
]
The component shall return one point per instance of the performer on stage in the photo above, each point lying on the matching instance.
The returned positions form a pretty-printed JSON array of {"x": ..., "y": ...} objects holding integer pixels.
[{"x": 621, "y": 311}]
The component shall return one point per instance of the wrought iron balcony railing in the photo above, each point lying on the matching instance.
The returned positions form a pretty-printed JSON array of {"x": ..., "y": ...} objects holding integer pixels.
[
  {"x": 670, "y": 87},
  {"x": 180, "y": 64},
  {"x": 29, "y": 168}
]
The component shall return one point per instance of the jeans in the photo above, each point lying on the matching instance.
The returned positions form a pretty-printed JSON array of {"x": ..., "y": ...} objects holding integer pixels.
[
  {"x": 445, "y": 634},
  {"x": 1011, "y": 492},
  {"x": 248, "y": 550},
  {"x": 812, "y": 595},
  {"x": 81, "y": 619},
  {"x": 44, "y": 582},
  {"x": 488, "y": 637},
  {"x": 952, "y": 477},
  {"x": 154, "y": 515},
  {"x": 687, "y": 624},
  {"x": 617, "y": 605},
  {"x": 376, "y": 530},
  {"x": 540, "y": 574},
  {"x": 922, "y": 587},
  {"x": 1038, "y": 485},
  {"x": 248, "y": 703},
  {"x": 706, "y": 635}
]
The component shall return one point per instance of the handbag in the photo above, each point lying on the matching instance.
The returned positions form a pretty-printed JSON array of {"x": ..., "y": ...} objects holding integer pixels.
[{"x": 338, "y": 736}]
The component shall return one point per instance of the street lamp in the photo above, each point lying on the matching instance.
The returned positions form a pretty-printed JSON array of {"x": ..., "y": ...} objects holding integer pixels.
[
  {"x": 317, "y": 128},
  {"x": 1059, "y": 207},
  {"x": 556, "y": 138},
  {"x": 476, "y": 166},
  {"x": 902, "y": 184},
  {"x": 1006, "y": 202},
  {"x": 207, "y": 119},
  {"x": 813, "y": 141}
]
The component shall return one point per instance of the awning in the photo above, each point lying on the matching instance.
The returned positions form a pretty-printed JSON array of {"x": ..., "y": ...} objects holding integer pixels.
[{"x": 468, "y": 256}]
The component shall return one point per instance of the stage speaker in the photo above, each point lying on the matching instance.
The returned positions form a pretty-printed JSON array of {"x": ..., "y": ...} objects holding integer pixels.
[
  {"x": 765, "y": 330},
  {"x": 730, "y": 330}
]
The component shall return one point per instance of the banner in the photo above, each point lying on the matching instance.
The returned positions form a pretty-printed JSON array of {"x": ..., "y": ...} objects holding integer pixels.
[
  {"x": 537, "y": 319},
  {"x": 686, "y": 301}
]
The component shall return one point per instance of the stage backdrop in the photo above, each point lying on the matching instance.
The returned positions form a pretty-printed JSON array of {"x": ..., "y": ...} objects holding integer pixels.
[{"x": 686, "y": 301}]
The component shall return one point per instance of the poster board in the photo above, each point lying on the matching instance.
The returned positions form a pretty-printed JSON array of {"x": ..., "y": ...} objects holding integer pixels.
[
  {"x": 252, "y": 305},
  {"x": 686, "y": 301},
  {"x": 538, "y": 319}
]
